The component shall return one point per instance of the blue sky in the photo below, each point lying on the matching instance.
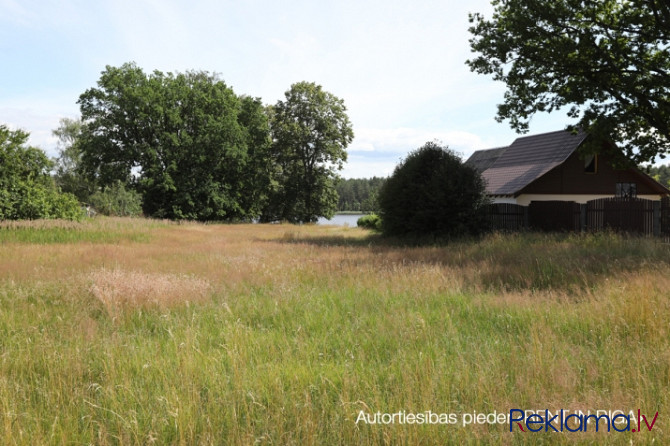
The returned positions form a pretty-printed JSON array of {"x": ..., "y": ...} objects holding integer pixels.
[{"x": 398, "y": 65}]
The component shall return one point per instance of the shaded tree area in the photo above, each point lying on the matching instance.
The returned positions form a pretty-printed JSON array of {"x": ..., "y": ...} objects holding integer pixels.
[{"x": 359, "y": 194}]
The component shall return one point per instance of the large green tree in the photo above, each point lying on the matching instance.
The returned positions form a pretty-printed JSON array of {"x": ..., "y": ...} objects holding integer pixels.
[
  {"x": 27, "y": 190},
  {"x": 311, "y": 131},
  {"x": 192, "y": 147},
  {"x": 607, "y": 60}
]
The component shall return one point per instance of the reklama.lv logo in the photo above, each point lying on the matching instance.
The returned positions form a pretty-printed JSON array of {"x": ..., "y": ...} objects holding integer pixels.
[{"x": 577, "y": 422}]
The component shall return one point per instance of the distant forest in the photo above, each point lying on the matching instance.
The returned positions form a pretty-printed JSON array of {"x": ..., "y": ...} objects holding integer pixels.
[{"x": 358, "y": 194}]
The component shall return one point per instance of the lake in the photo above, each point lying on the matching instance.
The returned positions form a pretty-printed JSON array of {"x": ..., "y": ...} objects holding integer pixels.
[{"x": 341, "y": 220}]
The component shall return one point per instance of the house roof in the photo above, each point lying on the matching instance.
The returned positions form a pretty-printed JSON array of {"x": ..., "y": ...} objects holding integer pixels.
[
  {"x": 508, "y": 170},
  {"x": 483, "y": 159}
]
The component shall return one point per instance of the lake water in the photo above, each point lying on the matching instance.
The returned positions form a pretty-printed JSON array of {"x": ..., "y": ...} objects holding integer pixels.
[{"x": 341, "y": 220}]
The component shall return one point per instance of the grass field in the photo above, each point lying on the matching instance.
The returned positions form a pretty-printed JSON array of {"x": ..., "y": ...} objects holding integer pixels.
[{"x": 141, "y": 332}]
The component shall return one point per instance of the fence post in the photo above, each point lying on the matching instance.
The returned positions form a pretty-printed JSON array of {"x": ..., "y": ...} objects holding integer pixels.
[
  {"x": 657, "y": 218},
  {"x": 582, "y": 217}
]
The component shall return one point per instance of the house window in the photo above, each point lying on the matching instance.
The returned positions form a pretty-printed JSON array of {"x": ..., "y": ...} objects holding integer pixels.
[
  {"x": 591, "y": 164},
  {"x": 626, "y": 190}
]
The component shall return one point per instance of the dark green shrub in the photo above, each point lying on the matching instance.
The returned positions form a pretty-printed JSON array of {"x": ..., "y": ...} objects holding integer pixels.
[
  {"x": 116, "y": 200},
  {"x": 432, "y": 193},
  {"x": 370, "y": 221}
]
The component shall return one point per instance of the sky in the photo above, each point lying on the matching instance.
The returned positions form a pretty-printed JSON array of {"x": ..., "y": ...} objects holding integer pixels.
[{"x": 399, "y": 66}]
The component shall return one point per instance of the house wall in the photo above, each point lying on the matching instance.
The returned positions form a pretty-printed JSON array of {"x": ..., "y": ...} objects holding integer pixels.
[
  {"x": 525, "y": 199},
  {"x": 503, "y": 200},
  {"x": 570, "y": 179}
]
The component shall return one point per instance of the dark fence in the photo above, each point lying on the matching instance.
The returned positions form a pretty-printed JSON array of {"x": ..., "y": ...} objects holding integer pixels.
[
  {"x": 631, "y": 215},
  {"x": 508, "y": 217},
  {"x": 621, "y": 214},
  {"x": 554, "y": 216},
  {"x": 665, "y": 217}
]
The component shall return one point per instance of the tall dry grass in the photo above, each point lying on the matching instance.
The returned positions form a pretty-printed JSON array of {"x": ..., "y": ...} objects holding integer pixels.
[
  {"x": 273, "y": 334},
  {"x": 121, "y": 290}
]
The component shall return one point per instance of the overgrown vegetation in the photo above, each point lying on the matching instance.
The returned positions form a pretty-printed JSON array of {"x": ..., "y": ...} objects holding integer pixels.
[{"x": 275, "y": 334}]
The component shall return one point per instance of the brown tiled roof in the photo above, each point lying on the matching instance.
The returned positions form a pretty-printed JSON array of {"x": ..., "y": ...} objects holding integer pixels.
[
  {"x": 483, "y": 159},
  {"x": 527, "y": 159}
]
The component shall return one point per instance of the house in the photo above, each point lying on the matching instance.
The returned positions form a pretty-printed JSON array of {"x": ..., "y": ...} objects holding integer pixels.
[{"x": 549, "y": 167}]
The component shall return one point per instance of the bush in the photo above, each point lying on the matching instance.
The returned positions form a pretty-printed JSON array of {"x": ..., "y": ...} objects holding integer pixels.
[
  {"x": 432, "y": 193},
  {"x": 370, "y": 221},
  {"x": 117, "y": 201}
]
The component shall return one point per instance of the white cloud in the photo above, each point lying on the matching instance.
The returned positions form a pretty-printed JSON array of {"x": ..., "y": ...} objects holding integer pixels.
[
  {"x": 39, "y": 117},
  {"x": 38, "y": 125},
  {"x": 376, "y": 151},
  {"x": 403, "y": 140},
  {"x": 300, "y": 47},
  {"x": 365, "y": 168}
]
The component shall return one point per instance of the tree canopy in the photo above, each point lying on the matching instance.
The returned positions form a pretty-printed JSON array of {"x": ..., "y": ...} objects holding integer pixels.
[
  {"x": 194, "y": 149},
  {"x": 608, "y": 60},
  {"x": 433, "y": 193},
  {"x": 185, "y": 141},
  {"x": 27, "y": 190},
  {"x": 311, "y": 132}
]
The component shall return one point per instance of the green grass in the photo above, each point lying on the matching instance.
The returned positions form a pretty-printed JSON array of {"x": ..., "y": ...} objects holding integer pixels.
[
  {"x": 300, "y": 333},
  {"x": 90, "y": 231},
  {"x": 66, "y": 235}
]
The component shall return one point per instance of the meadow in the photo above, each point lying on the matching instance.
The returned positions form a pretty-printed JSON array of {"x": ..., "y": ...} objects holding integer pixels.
[{"x": 130, "y": 331}]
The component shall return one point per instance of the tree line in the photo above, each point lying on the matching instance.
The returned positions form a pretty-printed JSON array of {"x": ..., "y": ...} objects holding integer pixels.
[
  {"x": 185, "y": 146},
  {"x": 359, "y": 194}
]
